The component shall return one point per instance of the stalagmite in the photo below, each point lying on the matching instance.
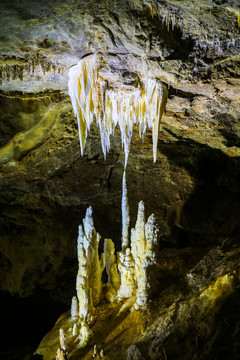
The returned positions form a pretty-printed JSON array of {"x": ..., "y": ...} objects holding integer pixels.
[
  {"x": 74, "y": 307},
  {"x": 127, "y": 272},
  {"x": 89, "y": 283},
  {"x": 61, "y": 355},
  {"x": 62, "y": 351},
  {"x": 145, "y": 257},
  {"x": 137, "y": 263},
  {"x": 63, "y": 340},
  {"x": 101, "y": 354},
  {"x": 75, "y": 330},
  {"x": 85, "y": 334},
  {"x": 92, "y": 98},
  {"x": 94, "y": 351},
  {"x": 111, "y": 264}
]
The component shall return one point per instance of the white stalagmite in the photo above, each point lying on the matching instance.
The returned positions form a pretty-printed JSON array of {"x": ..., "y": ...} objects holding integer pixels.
[
  {"x": 85, "y": 334},
  {"x": 63, "y": 340},
  {"x": 74, "y": 307},
  {"x": 61, "y": 354},
  {"x": 111, "y": 264},
  {"x": 92, "y": 98},
  {"x": 127, "y": 272},
  {"x": 89, "y": 283},
  {"x": 137, "y": 263},
  {"x": 125, "y": 214},
  {"x": 75, "y": 330},
  {"x": 145, "y": 256},
  {"x": 138, "y": 241}
]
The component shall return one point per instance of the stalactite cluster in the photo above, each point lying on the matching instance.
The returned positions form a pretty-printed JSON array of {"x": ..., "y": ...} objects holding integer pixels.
[
  {"x": 172, "y": 18},
  {"x": 93, "y": 99},
  {"x": 16, "y": 68}
]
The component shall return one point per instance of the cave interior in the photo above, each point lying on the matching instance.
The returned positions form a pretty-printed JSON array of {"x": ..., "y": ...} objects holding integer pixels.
[{"x": 105, "y": 105}]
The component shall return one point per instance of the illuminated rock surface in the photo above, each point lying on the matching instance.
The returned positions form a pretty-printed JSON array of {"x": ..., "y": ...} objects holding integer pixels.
[{"x": 193, "y": 187}]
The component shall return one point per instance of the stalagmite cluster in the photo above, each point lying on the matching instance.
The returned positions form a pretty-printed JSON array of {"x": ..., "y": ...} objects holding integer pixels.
[
  {"x": 62, "y": 350},
  {"x": 137, "y": 263},
  {"x": 93, "y": 99},
  {"x": 131, "y": 274}
]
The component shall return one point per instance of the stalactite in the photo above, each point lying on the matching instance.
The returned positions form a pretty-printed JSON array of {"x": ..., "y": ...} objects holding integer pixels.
[
  {"x": 15, "y": 68},
  {"x": 125, "y": 215},
  {"x": 7, "y": 70},
  {"x": 92, "y": 98}
]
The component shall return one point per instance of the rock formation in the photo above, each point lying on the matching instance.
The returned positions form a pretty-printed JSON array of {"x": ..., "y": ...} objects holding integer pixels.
[
  {"x": 132, "y": 275},
  {"x": 91, "y": 97},
  {"x": 122, "y": 49},
  {"x": 111, "y": 264},
  {"x": 90, "y": 268}
]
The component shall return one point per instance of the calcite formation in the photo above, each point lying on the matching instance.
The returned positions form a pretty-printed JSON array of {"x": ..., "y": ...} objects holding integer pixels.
[
  {"x": 111, "y": 264},
  {"x": 89, "y": 279},
  {"x": 89, "y": 283},
  {"x": 74, "y": 307},
  {"x": 132, "y": 275},
  {"x": 144, "y": 245},
  {"x": 137, "y": 263},
  {"x": 92, "y": 98},
  {"x": 125, "y": 215},
  {"x": 62, "y": 350}
]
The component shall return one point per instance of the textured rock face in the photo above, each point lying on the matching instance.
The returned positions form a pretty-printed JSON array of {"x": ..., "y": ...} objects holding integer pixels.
[{"x": 193, "y": 188}]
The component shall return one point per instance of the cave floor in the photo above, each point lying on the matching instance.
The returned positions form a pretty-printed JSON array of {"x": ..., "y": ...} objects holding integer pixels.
[{"x": 183, "y": 321}]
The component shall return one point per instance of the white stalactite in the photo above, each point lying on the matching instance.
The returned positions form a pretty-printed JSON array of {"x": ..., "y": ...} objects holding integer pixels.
[
  {"x": 91, "y": 98},
  {"x": 125, "y": 215}
]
